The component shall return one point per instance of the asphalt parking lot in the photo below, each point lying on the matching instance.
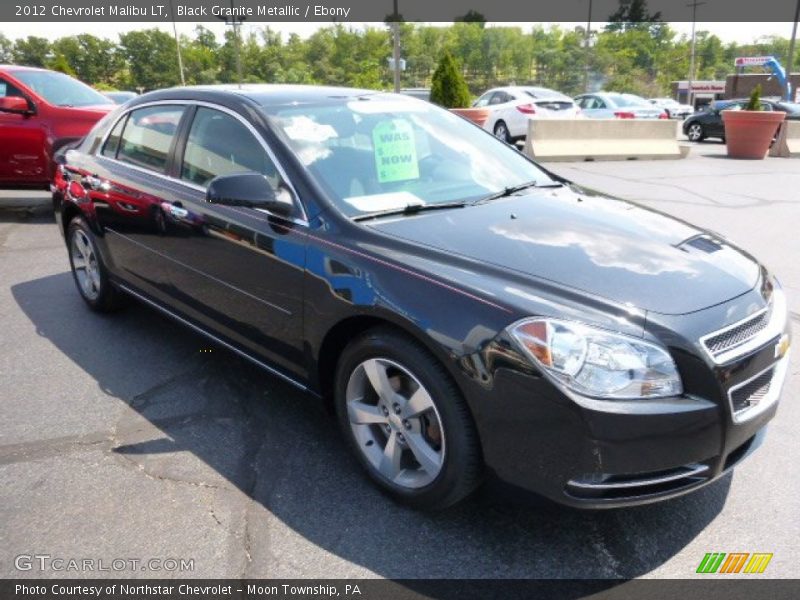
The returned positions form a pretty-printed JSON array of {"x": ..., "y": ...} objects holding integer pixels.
[{"x": 130, "y": 437}]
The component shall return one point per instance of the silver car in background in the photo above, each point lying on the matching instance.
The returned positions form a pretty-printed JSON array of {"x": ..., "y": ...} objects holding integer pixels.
[
  {"x": 612, "y": 105},
  {"x": 673, "y": 108}
]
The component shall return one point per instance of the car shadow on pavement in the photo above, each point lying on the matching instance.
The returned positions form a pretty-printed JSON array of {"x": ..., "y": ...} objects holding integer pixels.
[{"x": 220, "y": 421}]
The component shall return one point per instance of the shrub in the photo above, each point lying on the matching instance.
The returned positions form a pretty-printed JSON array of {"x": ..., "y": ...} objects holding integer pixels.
[
  {"x": 448, "y": 88},
  {"x": 755, "y": 99}
]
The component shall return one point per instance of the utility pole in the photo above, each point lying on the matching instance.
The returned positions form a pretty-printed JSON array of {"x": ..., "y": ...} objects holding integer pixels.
[
  {"x": 396, "y": 47},
  {"x": 587, "y": 49},
  {"x": 694, "y": 6},
  {"x": 790, "y": 58},
  {"x": 177, "y": 42}
]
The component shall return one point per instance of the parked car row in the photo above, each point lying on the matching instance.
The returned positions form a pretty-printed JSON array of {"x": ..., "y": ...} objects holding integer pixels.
[{"x": 512, "y": 107}]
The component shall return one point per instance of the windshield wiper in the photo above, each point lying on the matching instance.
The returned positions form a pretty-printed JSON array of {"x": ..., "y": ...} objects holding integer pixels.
[
  {"x": 513, "y": 189},
  {"x": 410, "y": 209}
]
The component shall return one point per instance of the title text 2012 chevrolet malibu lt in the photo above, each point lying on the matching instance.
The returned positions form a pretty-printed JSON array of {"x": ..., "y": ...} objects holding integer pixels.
[{"x": 468, "y": 313}]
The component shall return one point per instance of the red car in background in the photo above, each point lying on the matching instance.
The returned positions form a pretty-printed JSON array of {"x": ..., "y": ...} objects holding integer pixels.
[{"x": 40, "y": 112}]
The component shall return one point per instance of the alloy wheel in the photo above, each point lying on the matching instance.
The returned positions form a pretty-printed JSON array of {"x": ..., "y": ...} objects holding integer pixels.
[
  {"x": 695, "y": 132},
  {"x": 84, "y": 263},
  {"x": 395, "y": 423}
]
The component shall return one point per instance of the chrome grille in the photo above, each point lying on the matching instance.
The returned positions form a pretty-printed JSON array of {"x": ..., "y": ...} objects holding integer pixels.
[
  {"x": 751, "y": 393},
  {"x": 729, "y": 338}
]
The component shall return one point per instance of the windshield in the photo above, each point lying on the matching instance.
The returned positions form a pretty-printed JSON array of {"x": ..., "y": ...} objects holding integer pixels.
[
  {"x": 60, "y": 89},
  {"x": 545, "y": 93},
  {"x": 381, "y": 152}
]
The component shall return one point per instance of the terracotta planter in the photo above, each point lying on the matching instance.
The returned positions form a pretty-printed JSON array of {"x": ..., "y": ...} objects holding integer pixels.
[
  {"x": 476, "y": 115},
  {"x": 748, "y": 133}
]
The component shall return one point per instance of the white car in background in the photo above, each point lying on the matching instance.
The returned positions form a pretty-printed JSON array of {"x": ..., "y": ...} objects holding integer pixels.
[
  {"x": 513, "y": 106},
  {"x": 611, "y": 105},
  {"x": 673, "y": 108}
]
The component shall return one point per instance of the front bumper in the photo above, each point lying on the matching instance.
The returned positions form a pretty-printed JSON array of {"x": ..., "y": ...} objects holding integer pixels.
[{"x": 606, "y": 454}]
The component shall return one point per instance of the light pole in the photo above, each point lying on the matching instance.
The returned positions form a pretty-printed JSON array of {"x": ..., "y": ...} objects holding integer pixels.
[
  {"x": 694, "y": 6},
  {"x": 790, "y": 58},
  {"x": 177, "y": 42},
  {"x": 396, "y": 47}
]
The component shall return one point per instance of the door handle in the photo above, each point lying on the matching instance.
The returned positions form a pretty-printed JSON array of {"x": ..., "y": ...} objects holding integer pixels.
[{"x": 94, "y": 182}]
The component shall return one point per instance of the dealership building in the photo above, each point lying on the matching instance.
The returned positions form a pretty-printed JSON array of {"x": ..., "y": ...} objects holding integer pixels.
[{"x": 738, "y": 85}]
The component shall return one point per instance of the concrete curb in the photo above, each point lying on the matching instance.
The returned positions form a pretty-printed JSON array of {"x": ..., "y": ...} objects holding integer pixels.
[{"x": 38, "y": 200}]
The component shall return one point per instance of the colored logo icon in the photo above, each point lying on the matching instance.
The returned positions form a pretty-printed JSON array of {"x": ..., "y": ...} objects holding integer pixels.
[{"x": 734, "y": 562}]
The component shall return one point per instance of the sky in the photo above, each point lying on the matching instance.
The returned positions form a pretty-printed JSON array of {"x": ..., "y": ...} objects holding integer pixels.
[{"x": 727, "y": 32}]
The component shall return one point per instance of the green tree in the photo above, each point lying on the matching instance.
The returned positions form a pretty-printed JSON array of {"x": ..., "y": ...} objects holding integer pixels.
[
  {"x": 151, "y": 58},
  {"x": 92, "y": 59},
  {"x": 448, "y": 87},
  {"x": 633, "y": 14},
  {"x": 200, "y": 64},
  {"x": 60, "y": 63},
  {"x": 6, "y": 50},
  {"x": 32, "y": 51}
]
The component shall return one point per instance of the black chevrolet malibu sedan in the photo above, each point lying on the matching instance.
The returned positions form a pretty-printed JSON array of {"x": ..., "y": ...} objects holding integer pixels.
[{"x": 468, "y": 314}]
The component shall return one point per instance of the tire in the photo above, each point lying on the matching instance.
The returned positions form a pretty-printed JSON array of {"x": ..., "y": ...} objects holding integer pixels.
[
  {"x": 416, "y": 439},
  {"x": 501, "y": 132},
  {"x": 695, "y": 132},
  {"x": 89, "y": 271}
]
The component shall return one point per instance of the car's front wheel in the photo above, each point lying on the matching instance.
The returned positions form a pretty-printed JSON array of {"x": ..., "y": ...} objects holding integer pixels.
[
  {"x": 88, "y": 270},
  {"x": 695, "y": 132},
  {"x": 406, "y": 420}
]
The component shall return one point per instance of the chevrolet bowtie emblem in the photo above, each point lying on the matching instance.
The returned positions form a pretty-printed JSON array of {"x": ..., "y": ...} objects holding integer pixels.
[{"x": 782, "y": 347}]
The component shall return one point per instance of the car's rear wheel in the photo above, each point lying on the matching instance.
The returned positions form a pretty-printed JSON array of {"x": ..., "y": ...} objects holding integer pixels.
[
  {"x": 88, "y": 270},
  {"x": 406, "y": 420},
  {"x": 695, "y": 132},
  {"x": 501, "y": 131}
]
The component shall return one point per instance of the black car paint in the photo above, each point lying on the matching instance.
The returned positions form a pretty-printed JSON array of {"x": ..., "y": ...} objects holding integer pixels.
[
  {"x": 710, "y": 118},
  {"x": 290, "y": 292}
]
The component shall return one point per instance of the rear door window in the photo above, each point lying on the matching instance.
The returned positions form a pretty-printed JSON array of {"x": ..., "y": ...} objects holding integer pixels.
[
  {"x": 112, "y": 143},
  {"x": 148, "y": 136},
  {"x": 484, "y": 100}
]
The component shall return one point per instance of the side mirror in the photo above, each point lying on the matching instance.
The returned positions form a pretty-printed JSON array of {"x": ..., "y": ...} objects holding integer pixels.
[
  {"x": 250, "y": 190},
  {"x": 14, "y": 104}
]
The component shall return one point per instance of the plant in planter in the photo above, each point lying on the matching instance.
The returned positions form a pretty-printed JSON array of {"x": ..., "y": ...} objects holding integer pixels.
[
  {"x": 750, "y": 131},
  {"x": 449, "y": 89}
]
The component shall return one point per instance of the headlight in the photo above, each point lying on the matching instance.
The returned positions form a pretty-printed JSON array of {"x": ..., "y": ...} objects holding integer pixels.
[{"x": 598, "y": 363}]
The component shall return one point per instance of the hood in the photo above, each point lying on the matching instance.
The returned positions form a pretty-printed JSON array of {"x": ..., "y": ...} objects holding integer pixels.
[
  {"x": 599, "y": 245},
  {"x": 96, "y": 111}
]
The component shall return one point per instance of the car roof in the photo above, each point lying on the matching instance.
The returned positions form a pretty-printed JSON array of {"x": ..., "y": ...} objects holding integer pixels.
[
  {"x": 262, "y": 94},
  {"x": 22, "y": 68},
  {"x": 530, "y": 89}
]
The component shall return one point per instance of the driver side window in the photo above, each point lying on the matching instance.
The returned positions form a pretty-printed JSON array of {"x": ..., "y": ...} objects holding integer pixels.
[
  {"x": 8, "y": 90},
  {"x": 219, "y": 144}
]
